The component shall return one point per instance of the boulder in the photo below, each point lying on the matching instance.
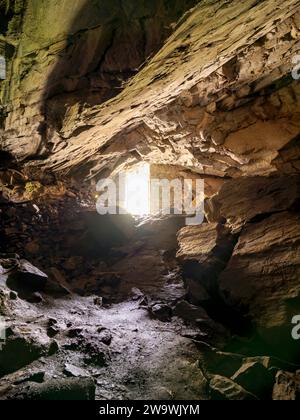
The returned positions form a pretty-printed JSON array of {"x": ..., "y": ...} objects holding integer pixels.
[
  {"x": 262, "y": 280},
  {"x": 235, "y": 201},
  {"x": 22, "y": 276},
  {"x": 19, "y": 350},
  {"x": 225, "y": 389}
]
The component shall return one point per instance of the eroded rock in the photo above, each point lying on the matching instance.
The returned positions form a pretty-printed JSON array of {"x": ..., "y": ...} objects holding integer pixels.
[
  {"x": 242, "y": 200},
  {"x": 262, "y": 278},
  {"x": 204, "y": 251}
]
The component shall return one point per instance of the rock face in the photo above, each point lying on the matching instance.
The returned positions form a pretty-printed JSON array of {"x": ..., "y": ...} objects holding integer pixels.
[
  {"x": 230, "y": 110},
  {"x": 262, "y": 277},
  {"x": 241, "y": 201},
  {"x": 204, "y": 251}
]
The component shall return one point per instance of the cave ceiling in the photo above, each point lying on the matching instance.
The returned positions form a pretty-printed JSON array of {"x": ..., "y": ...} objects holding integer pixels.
[{"x": 212, "y": 92}]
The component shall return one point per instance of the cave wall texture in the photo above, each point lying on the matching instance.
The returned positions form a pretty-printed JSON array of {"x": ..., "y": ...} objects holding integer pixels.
[
  {"x": 205, "y": 85},
  {"x": 93, "y": 85}
]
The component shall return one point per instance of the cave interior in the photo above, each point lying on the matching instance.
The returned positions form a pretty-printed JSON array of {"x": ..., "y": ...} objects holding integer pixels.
[{"x": 108, "y": 291}]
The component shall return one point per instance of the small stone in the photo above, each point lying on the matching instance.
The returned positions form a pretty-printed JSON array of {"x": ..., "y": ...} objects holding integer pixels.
[
  {"x": 105, "y": 336},
  {"x": 98, "y": 301},
  {"x": 52, "y": 332},
  {"x": 74, "y": 371}
]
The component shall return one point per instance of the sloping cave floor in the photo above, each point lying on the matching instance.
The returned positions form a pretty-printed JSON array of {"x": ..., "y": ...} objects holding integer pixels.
[
  {"x": 108, "y": 312},
  {"x": 109, "y": 304}
]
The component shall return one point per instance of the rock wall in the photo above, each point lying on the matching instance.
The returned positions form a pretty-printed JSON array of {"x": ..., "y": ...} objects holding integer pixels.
[
  {"x": 221, "y": 78},
  {"x": 68, "y": 58}
]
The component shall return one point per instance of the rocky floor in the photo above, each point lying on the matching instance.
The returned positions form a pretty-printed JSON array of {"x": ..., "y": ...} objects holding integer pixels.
[
  {"x": 136, "y": 357},
  {"x": 109, "y": 308}
]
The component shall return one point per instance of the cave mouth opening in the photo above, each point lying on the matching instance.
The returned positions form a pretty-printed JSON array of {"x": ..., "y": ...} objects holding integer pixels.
[{"x": 137, "y": 190}]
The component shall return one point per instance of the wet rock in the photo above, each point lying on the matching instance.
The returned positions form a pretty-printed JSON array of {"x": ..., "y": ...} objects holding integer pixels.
[
  {"x": 225, "y": 389},
  {"x": 71, "y": 389},
  {"x": 161, "y": 311},
  {"x": 256, "y": 379},
  {"x": 287, "y": 386}
]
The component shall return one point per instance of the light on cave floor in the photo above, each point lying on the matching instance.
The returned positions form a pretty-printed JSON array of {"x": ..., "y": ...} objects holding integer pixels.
[{"x": 137, "y": 196}]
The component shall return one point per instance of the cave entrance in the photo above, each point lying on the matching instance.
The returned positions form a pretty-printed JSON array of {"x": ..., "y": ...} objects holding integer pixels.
[{"x": 137, "y": 190}]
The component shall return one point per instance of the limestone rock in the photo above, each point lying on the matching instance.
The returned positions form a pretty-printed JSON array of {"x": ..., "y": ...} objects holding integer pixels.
[
  {"x": 54, "y": 102},
  {"x": 241, "y": 200}
]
